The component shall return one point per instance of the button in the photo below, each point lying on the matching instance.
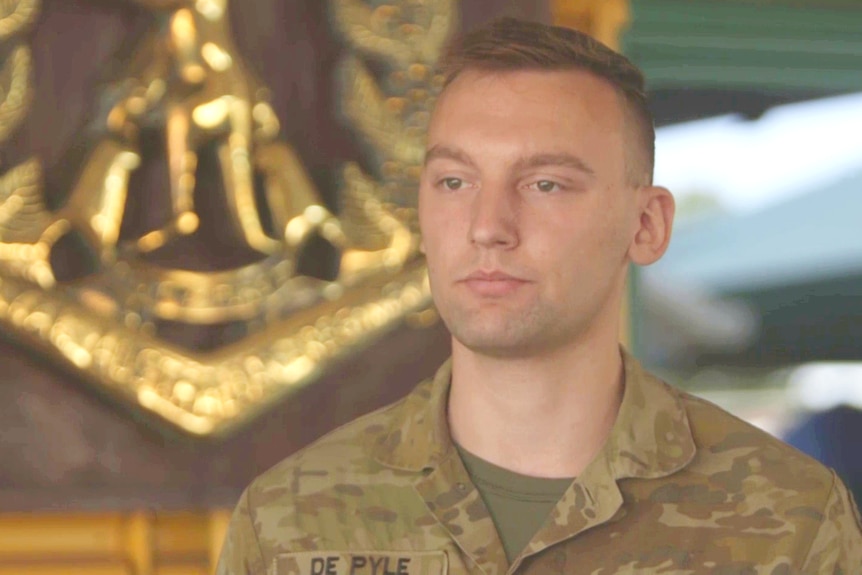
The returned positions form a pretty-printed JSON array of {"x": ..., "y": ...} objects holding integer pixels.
[{"x": 461, "y": 487}]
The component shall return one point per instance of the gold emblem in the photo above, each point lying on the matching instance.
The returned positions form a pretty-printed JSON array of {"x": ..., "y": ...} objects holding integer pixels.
[{"x": 187, "y": 83}]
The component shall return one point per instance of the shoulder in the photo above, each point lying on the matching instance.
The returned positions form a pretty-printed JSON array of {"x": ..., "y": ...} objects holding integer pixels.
[
  {"x": 324, "y": 493},
  {"x": 332, "y": 494},
  {"x": 775, "y": 488},
  {"x": 342, "y": 456},
  {"x": 297, "y": 503},
  {"x": 741, "y": 457}
]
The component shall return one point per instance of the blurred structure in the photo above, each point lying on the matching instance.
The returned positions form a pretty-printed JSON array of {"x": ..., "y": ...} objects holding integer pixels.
[
  {"x": 678, "y": 321},
  {"x": 706, "y": 58},
  {"x": 605, "y": 21},
  {"x": 797, "y": 266},
  {"x": 187, "y": 85},
  {"x": 775, "y": 287}
]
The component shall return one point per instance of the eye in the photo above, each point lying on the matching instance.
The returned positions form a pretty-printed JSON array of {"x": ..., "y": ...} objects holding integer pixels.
[
  {"x": 452, "y": 183},
  {"x": 546, "y": 186}
]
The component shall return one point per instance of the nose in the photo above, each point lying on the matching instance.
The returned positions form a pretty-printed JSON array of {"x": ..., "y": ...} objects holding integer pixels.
[{"x": 494, "y": 221}]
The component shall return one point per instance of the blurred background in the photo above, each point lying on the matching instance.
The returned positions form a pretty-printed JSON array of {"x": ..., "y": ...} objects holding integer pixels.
[
  {"x": 209, "y": 252},
  {"x": 757, "y": 304}
]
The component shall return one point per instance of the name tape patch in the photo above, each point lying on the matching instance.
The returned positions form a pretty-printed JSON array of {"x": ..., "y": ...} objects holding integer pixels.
[{"x": 362, "y": 563}]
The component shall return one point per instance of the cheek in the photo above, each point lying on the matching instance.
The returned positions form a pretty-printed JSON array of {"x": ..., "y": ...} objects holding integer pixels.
[
  {"x": 437, "y": 224},
  {"x": 609, "y": 229},
  {"x": 579, "y": 242},
  {"x": 426, "y": 217},
  {"x": 433, "y": 237}
]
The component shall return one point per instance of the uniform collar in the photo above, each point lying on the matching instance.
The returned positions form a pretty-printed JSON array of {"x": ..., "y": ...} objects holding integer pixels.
[{"x": 650, "y": 438}]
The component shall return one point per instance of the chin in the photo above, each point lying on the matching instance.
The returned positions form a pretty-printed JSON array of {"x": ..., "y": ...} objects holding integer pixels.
[
  {"x": 529, "y": 336},
  {"x": 496, "y": 343}
]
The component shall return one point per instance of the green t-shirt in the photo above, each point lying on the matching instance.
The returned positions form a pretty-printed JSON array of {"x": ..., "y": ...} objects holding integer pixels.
[{"x": 518, "y": 504}]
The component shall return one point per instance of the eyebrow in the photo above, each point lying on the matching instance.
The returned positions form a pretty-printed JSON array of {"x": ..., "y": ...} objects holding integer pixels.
[
  {"x": 563, "y": 160},
  {"x": 440, "y": 151}
]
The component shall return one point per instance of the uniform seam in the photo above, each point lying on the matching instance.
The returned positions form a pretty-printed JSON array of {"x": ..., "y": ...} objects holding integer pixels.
[{"x": 829, "y": 497}]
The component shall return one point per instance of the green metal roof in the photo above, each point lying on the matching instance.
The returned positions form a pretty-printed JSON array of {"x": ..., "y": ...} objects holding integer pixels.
[{"x": 748, "y": 45}]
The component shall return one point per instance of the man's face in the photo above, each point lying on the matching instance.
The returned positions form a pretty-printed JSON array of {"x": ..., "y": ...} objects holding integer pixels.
[{"x": 525, "y": 208}]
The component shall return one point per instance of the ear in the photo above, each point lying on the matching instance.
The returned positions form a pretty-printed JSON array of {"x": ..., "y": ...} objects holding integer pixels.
[{"x": 655, "y": 223}]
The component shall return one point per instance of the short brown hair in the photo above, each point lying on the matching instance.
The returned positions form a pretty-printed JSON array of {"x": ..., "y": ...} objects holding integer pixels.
[{"x": 509, "y": 44}]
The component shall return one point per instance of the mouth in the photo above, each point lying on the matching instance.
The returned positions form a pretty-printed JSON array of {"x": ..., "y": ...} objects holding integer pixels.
[{"x": 492, "y": 283}]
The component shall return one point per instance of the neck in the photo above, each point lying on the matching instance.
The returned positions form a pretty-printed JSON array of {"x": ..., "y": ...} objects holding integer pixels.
[{"x": 544, "y": 416}]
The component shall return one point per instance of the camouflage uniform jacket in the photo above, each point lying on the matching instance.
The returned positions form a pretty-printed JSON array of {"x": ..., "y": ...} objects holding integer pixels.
[{"x": 679, "y": 487}]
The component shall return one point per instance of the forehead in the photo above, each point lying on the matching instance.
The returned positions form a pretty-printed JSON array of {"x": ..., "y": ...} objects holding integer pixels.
[{"x": 531, "y": 111}]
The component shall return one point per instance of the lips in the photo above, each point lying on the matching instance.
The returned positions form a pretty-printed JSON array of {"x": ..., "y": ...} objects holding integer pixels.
[{"x": 492, "y": 283}]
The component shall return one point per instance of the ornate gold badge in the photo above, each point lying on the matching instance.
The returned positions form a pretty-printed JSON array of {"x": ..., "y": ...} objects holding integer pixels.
[{"x": 187, "y": 83}]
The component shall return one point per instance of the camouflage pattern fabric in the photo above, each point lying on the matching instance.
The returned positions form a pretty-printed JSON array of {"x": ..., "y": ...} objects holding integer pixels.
[{"x": 680, "y": 487}]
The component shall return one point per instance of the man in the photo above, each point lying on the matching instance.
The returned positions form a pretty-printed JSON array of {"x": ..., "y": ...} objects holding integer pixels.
[{"x": 541, "y": 447}]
